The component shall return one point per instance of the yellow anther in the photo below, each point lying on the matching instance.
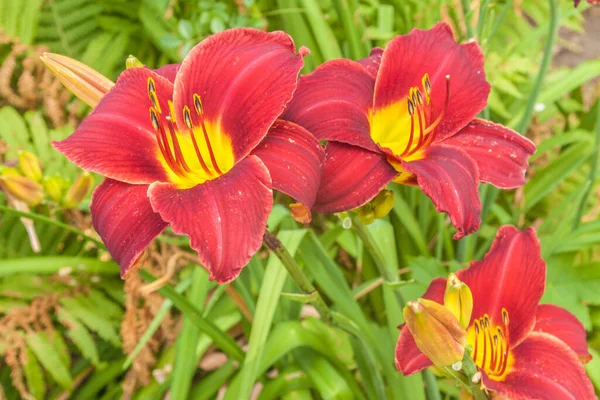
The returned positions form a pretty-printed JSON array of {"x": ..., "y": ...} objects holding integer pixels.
[
  {"x": 411, "y": 107},
  {"x": 154, "y": 119},
  {"x": 187, "y": 118},
  {"x": 198, "y": 104}
]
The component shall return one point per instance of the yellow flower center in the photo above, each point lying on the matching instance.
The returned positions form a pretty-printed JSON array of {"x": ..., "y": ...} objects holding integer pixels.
[
  {"x": 490, "y": 343},
  {"x": 200, "y": 153},
  {"x": 408, "y": 126}
]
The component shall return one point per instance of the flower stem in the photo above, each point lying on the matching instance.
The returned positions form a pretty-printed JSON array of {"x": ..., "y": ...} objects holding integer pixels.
[
  {"x": 297, "y": 275},
  {"x": 386, "y": 273},
  {"x": 470, "y": 369}
]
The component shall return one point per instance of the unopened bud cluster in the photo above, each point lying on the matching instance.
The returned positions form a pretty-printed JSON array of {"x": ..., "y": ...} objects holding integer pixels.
[{"x": 379, "y": 207}]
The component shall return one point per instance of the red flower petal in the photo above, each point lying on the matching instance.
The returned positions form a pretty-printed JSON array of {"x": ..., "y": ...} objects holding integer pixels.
[
  {"x": 244, "y": 78},
  {"x": 351, "y": 177},
  {"x": 450, "y": 178},
  {"x": 408, "y": 58},
  {"x": 500, "y": 153},
  {"x": 409, "y": 358},
  {"x": 565, "y": 326},
  {"x": 544, "y": 368},
  {"x": 168, "y": 71},
  {"x": 117, "y": 139},
  {"x": 293, "y": 157},
  {"x": 225, "y": 218},
  {"x": 511, "y": 276},
  {"x": 124, "y": 219},
  {"x": 372, "y": 62},
  {"x": 333, "y": 103}
]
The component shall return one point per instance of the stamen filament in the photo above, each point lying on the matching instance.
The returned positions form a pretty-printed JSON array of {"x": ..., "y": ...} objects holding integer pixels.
[{"x": 176, "y": 147}]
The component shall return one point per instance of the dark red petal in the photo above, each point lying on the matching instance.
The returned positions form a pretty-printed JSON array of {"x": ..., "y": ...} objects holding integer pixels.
[
  {"x": 333, "y": 103},
  {"x": 124, "y": 219},
  {"x": 225, "y": 218},
  {"x": 117, "y": 139},
  {"x": 451, "y": 179},
  {"x": 409, "y": 358},
  {"x": 544, "y": 368},
  {"x": 500, "y": 153},
  {"x": 511, "y": 276},
  {"x": 168, "y": 71},
  {"x": 565, "y": 326},
  {"x": 408, "y": 58},
  {"x": 351, "y": 177},
  {"x": 372, "y": 62},
  {"x": 293, "y": 157},
  {"x": 244, "y": 78}
]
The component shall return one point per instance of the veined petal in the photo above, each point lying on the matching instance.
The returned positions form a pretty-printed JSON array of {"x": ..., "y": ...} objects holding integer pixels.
[
  {"x": 511, "y": 277},
  {"x": 565, "y": 326},
  {"x": 168, "y": 71},
  {"x": 372, "y": 62},
  {"x": 224, "y": 218},
  {"x": 500, "y": 153},
  {"x": 117, "y": 139},
  {"x": 409, "y": 358},
  {"x": 244, "y": 78},
  {"x": 333, "y": 103},
  {"x": 351, "y": 177},
  {"x": 544, "y": 368},
  {"x": 407, "y": 58},
  {"x": 124, "y": 219},
  {"x": 293, "y": 157},
  {"x": 450, "y": 178}
]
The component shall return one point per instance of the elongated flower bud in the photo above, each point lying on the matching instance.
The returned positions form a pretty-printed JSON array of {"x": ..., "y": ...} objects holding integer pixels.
[
  {"x": 459, "y": 300},
  {"x": 383, "y": 203},
  {"x": 21, "y": 187},
  {"x": 30, "y": 166},
  {"x": 78, "y": 190},
  {"x": 436, "y": 332},
  {"x": 55, "y": 187},
  {"x": 84, "y": 82}
]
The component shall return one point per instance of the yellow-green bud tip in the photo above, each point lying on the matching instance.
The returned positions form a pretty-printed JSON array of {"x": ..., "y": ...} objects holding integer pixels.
[
  {"x": 383, "y": 203},
  {"x": 459, "y": 300},
  {"x": 30, "y": 166},
  {"x": 133, "y": 62},
  {"x": 21, "y": 187},
  {"x": 55, "y": 187},
  {"x": 78, "y": 190}
]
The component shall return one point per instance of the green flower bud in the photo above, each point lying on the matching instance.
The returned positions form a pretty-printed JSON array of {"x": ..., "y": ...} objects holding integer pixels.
[
  {"x": 30, "y": 166},
  {"x": 459, "y": 300},
  {"x": 383, "y": 203},
  {"x": 436, "y": 331},
  {"x": 55, "y": 187},
  {"x": 78, "y": 190},
  {"x": 133, "y": 62},
  {"x": 21, "y": 187}
]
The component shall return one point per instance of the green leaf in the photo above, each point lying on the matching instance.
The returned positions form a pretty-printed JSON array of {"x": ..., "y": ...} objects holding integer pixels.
[
  {"x": 34, "y": 376},
  {"x": 96, "y": 322},
  {"x": 80, "y": 336},
  {"x": 50, "y": 359}
]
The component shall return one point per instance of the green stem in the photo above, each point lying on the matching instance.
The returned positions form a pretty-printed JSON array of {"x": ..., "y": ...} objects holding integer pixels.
[
  {"x": 297, "y": 275},
  {"x": 470, "y": 369},
  {"x": 386, "y": 273},
  {"x": 593, "y": 170},
  {"x": 537, "y": 86},
  {"x": 42, "y": 218},
  {"x": 482, "y": 14},
  {"x": 431, "y": 387},
  {"x": 466, "y": 13}
]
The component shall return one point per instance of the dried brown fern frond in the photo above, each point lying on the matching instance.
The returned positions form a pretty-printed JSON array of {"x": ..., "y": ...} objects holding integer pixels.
[
  {"x": 140, "y": 308},
  {"x": 26, "y": 84}
]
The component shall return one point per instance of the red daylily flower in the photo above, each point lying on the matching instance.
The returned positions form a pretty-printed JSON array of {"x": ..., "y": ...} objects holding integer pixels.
[
  {"x": 524, "y": 350},
  {"x": 407, "y": 114},
  {"x": 187, "y": 146}
]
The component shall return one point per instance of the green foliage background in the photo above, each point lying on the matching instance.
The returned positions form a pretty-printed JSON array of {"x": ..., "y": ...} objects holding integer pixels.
[{"x": 75, "y": 349}]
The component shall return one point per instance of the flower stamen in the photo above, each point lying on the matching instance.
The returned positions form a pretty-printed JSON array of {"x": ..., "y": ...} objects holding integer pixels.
[{"x": 494, "y": 359}]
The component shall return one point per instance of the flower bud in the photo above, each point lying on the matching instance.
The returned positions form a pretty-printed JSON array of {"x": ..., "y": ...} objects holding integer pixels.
[
  {"x": 383, "y": 203},
  {"x": 436, "y": 332},
  {"x": 55, "y": 187},
  {"x": 133, "y": 62},
  {"x": 78, "y": 190},
  {"x": 21, "y": 187},
  {"x": 30, "y": 166},
  {"x": 459, "y": 300},
  {"x": 84, "y": 82},
  {"x": 366, "y": 214},
  {"x": 301, "y": 213}
]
